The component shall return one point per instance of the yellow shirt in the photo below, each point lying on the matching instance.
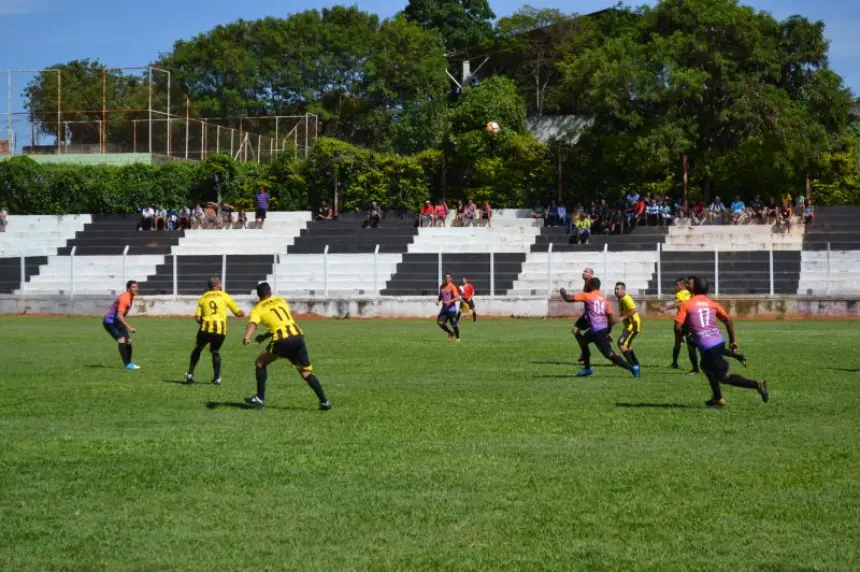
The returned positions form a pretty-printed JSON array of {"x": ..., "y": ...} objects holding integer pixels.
[
  {"x": 212, "y": 311},
  {"x": 274, "y": 313},
  {"x": 634, "y": 322},
  {"x": 682, "y": 296}
]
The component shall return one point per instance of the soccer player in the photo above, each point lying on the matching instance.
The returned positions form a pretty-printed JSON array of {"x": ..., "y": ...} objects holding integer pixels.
[
  {"x": 742, "y": 358},
  {"x": 449, "y": 295},
  {"x": 467, "y": 299},
  {"x": 212, "y": 317},
  {"x": 600, "y": 319},
  {"x": 682, "y": 294},
  {"x": 700, "y": 314},
  {"x": 288, "y": 342},
  {"x": 581, "y": 324},
  {"x": 116, "y": 325},
  {"x": 632, "y": 323}
]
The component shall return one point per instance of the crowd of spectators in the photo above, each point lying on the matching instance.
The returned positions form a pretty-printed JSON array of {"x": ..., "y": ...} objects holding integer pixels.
[
  {"x": 465, "y": 214},
  {"x": 208, "y": 215}
]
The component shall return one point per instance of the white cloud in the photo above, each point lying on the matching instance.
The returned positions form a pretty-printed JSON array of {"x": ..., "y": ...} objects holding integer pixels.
[{"x": 12, "y": 7}]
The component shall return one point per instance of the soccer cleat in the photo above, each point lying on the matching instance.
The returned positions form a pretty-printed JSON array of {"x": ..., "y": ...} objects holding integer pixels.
[
  {"x": 216, "y": 381},
  {"x": 325, "y": 405},
  {"x": 675, "y": 365},
  {"x": 587, "y": 372},
  {"x": 458, "y": 340},
  {"x": 762, "y": 390},
  {"x": 636, "y": 372},
  {"x": 716, "y": 402},
  {"x": 189, "y": 378},
  {"x": 693, "y": 372},
  {"x": 450, "y": 337},
  {"x": 256, "y": 401},
  {"x": 132, "y": 366}
]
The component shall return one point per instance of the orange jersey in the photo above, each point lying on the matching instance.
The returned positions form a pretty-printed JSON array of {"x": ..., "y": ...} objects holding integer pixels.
[
  {"x": 597, "y": 309},
  {"x": 120, "y": 306},
  {"x": 700, "y": 315},
  {"x": 467, "y": 291},
  {"x": 449, "y": 295}
]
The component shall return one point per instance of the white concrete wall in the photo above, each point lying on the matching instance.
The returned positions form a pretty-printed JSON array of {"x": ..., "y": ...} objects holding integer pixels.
[
  {"x": 92, "y": 274},
  {"x": 738, "y": 238},
  {"x": 39, "y": 235},
  {"x": 461, "y": 240},
  {"x": 348, "y": 275},
  {"x": 564, "y": 269},
  {"x": 842, "y": 279},
  {"x": 279, "y": 232}
]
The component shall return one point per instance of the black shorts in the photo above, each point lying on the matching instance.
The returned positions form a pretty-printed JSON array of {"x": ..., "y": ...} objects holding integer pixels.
[
  {"x": 581, "y": 323},
  {"x": 215, "y": 341},
  {"x": 261, "y": 214},
  {"x": 447, "y": 316},
  {"x": 116, "y": 330},
  {"x": 600, "y": 340},
  {"x": 713, "y": 361},
  {"x": 293, "y": 349},
  {"x": 470, "y": 303},
  {"x": 627, "y": 337}
]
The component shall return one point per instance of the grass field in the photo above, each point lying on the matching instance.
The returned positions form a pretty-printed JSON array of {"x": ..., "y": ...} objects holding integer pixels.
[{"x": 487, "y": 455}]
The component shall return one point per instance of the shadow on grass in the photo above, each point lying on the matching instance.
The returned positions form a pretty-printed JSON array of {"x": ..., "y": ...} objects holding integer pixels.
[
  {"x": 182, "y": 382},
  {"x": 657, "y": 406},
  {"x": 846, "y": 370},
  {"x": 570, "y": 363},
  {"x": 248, "y": 406},
  {"x": 96, "y": 366}
]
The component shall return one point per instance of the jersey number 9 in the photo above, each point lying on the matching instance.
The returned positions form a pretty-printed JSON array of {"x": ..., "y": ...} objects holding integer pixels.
[{"x": 214, "y": 306}]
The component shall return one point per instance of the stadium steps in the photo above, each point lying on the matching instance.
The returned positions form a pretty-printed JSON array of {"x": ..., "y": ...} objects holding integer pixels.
[
  {"x": 839, "y": 226},
  {"x": 417, "y": 275},
  {"x": 110, "y": 234},
  {"x": 741, "y": 273},
  {"x": 10, "y": 271},
  {"x": 244, "y": 272},
  {"x": 642, "y": 238},
  {"x": 345, "y": 235}
]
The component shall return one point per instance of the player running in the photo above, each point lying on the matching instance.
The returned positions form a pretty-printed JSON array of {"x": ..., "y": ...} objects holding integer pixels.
[
  {"x": 682, "y": 294},
  {"x": 742, "y": 358},
  {"x": 288, "y": 342},
  {"x": 449, "y": 295},
  {"x": 119, "y": 329},
  {"x": 600, "y": 319},
  {"x": 700, "y": 314},
  {"x": 212, "y": 317},
  {"x": 632, "y": 323},
  {"x": 581, "y": 324},
  {"x": 467, "y": 299}
]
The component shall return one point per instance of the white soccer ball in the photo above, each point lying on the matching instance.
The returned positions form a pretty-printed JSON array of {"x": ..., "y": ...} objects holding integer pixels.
[{"x": 493, "y": 127}]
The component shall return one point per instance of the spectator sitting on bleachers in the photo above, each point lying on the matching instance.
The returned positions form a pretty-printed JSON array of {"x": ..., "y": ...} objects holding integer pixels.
[
  {"x": 783, "y": 221},
  {"x": 583, "y": 228},
  {"x": 652, "y": 212},
  {"x": 441, "y": 214},
  {"x": 552, "y": 214},
  {"x": 227, "y": 215},
  {"x": 772, "y": 211},
  {"x": 563, "y": 218},
  {"x": 147, "y": 219},
  {"x": 4, "y": 219},
  {"x": 197, "y": 216},
  {"x": 487, "y": 215},
  {"x": 699, "y": 214},
  {"x": 666, "y": 213},
  {"x": 374, "y": 217},
  {"x": 470, "y": 214},
  {"x": 681, "y": 210},
  {"x": 459, "y": 214},
  {"x": 739, "y": 211},
  {"x": 241, "y": 219},
  {"x": 809, "y": 212},
  {"x": 799, "y": 201},
  {"x": 324, "y": 212},
  {"x": 539, "y": 212},
  {"x": 638, "y": 213},
  {"x": 161, "y": 218},
  {"x": 757, "y": 210},
  {"x": 716, "y": 211},
  {"x": 210, "y": 218},
  {"x": 619, "y": 222},
  {"x": 427, "y": 214}
]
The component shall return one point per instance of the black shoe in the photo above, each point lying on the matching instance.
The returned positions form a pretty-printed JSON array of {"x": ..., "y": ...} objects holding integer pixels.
[
  {"x": 325, "y": 405},
  {"x": 762, "y": 390},
  {"x": 256, "y": 401},
  {"x": 743, "y": 360},
  {"x": 675, "y": 366},
  {"x": 693, "y": 372},
  {"x": 216, "y": 381},
  {"x": 189, "y": 378}
]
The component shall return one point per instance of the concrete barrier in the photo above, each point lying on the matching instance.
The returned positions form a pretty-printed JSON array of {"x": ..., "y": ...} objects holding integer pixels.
[{"x": 425, "y": 307}]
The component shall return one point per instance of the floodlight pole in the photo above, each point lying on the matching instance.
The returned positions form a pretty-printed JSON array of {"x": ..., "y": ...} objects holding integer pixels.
[
  {"x": 104, "y": 112},
  {"x": 9, "y": 117},
  {"x": 168, "y": 115},
  {"x": 59, "y": 110},
  {"x": 150, "y": 114}
]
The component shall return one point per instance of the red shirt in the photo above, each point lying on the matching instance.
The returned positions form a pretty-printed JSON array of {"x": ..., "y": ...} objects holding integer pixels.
[
  {"x": 468, "y": 291},
  {"x": 427, "y": 209}
]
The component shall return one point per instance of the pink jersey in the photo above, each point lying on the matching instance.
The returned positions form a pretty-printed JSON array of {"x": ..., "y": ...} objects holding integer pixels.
[
  {"x": 700, "y": 315},
  {"x": 597, "y": 310}
]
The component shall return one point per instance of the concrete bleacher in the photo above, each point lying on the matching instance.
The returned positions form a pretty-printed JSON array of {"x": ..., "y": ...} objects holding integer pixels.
[
  {"x": 732, "y": 238},
  {"x": 507, "y": 238},
  {"x": 39, "y": 235},
  {"x": 335, "y": 275},
  {"x": 830, "y": 263},
  {"x": 278, "y": 233},
  {"x": 100, "y": 274},
  {"x": 634, "y": 268}
]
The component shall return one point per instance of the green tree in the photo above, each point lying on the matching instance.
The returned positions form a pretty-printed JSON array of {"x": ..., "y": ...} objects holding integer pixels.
[{"x": 460, "y": 23}]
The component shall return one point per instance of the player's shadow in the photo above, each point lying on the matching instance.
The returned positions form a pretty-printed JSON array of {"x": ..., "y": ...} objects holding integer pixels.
[
  {"x": 845, "y": 369},
  {"x": 96, "y": 366},
  {"x": 568, "y": 363},
  {"x": 656, "y": 406},
  {"x": 183, "y": 382},
  {"x": 248, "y": 406}
]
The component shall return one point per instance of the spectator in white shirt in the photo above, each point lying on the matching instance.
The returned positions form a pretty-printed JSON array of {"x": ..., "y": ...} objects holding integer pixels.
[
  {"x": 739, "y": 211},
  {"x": 652, "y": 212},
  {"x": 716, "y": 211},
  {"x": 666, "y": 216},
  {"x": 147, "y": 219},
  {"x": 469, "y": 213},
  {"x": 4, "y": 219}
]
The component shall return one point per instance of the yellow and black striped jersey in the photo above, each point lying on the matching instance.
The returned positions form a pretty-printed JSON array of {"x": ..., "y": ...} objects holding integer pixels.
[
  {"x": 212, "y": 311},
  {"x": 625, "y": 304},
  {"x": 274, "y": 313}
]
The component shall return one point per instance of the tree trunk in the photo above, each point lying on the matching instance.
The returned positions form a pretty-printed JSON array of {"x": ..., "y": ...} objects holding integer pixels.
[
  {"x": 560, "y": 178},
  {"x": 685, "y": 169},
  {"x": 808, "y": 187}
]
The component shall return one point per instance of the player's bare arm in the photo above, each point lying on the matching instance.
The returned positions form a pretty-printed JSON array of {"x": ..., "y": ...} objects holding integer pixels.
[
  {"x": 121, "y": 319},
  {"x": 730, "y": 328},
  {"x": 249, "y": 331},
  {"x": 565, "y": 296}
]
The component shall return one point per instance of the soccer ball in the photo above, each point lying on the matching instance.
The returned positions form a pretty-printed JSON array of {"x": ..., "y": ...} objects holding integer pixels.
[{"x": 493, "y": 127}]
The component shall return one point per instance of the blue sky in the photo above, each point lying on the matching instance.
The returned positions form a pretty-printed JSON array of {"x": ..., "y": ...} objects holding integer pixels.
[{"x": 38, "y": 33}]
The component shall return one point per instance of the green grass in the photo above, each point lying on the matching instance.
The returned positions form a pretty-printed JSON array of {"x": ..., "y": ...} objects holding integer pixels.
[{"x": 486, "y": 455}]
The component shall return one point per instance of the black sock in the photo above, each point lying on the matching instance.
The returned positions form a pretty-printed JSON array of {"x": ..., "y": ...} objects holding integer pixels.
[
  {"x": 123, "y": 353},
  {"x": 676, "y": 351},
  {"x": 446, "y": 329},
  {"x": 635, "y": 359},
  {"x": 457, "y": 331},
  {"x": 459, "y": 314},
  {"x": 619, "y": 361},
  {"x": 581, "y": 347},
  {"x": 715, "y": 385},
  {"x": 694, "y": 357},
  {"x": 261, "y": 383},
  {"x": 741, "y": 381},
  {"x": 628, "y": 355},
  {"x": 586, "y": 356},
  {"x": 474, "y": 316},
  {"x": 216, "y": 365},
  {"x": 315, "y": 385},
  {"x": 128, "y": 350},
  {"x": 195, "y": 357}
]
